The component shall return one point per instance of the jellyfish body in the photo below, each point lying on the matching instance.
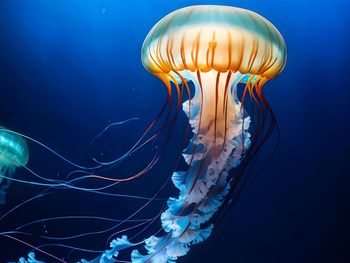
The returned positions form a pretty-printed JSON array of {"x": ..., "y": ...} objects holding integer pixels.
[
  {"x": 13, "y": 153},
  {"x": 215, "y": 47}
]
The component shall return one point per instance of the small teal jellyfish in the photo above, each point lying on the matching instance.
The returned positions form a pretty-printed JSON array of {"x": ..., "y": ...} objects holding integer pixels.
[{"x": 13, "y": 153}]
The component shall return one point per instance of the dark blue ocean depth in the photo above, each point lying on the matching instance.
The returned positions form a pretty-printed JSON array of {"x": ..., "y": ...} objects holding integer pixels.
[{"x": 68, "y": 68}]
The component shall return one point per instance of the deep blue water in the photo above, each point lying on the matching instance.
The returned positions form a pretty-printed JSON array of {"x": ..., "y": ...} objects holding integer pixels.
[{"x": 68, "y": 68}]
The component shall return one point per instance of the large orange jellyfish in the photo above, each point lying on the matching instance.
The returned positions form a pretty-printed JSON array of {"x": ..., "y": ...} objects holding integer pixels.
[{"x": 215, "y": 48}]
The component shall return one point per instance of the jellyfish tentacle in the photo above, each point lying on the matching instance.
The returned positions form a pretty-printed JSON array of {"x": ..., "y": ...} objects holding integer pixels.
[
  {"x": 149, "y": 128},
  {"x": 6, "y": 174},
  {"x": 31, "y": 256},
  {"x": 109, "y": 126}
]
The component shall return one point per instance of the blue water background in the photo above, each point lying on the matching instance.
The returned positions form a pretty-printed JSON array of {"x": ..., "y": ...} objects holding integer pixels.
[{"x": 68, "y": 68}]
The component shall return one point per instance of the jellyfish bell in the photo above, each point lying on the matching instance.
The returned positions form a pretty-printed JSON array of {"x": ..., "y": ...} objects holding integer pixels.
[
  {"x": 13, "y": 154},
  {"x": 219, "y": 38},
  {"x": 13, "y": 149}
]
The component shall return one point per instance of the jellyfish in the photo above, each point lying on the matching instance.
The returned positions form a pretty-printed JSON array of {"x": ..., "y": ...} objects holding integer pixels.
[
  {"x": 13, "y": 154},
  {"x": 215, "y": 48},
  {"x": 218, "y": 49}
]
